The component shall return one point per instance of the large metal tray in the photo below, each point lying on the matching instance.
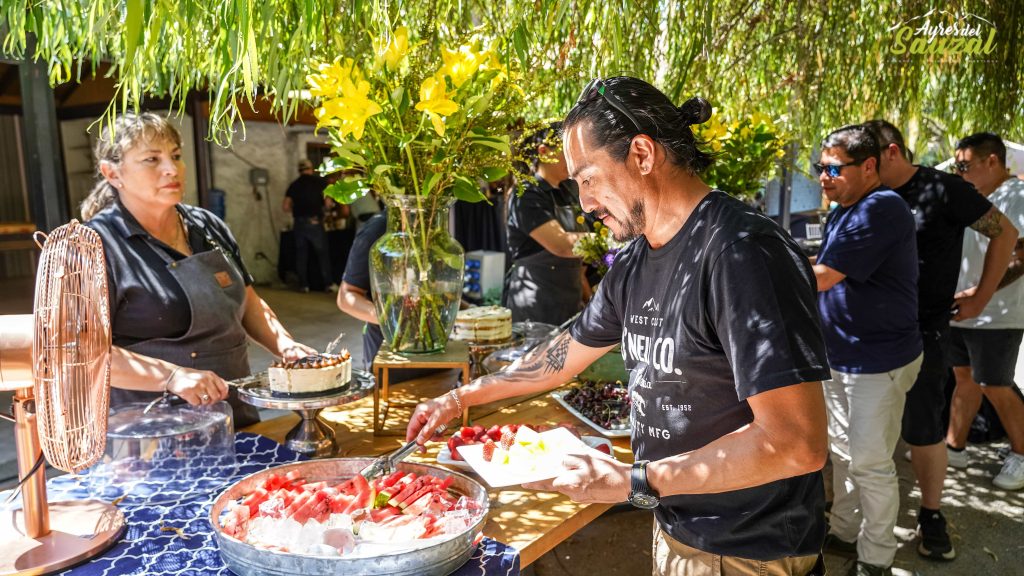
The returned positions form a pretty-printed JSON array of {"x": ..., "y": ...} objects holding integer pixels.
[
  {"x": 613, "y": 433},
  {"x": 436, "y": 560}
]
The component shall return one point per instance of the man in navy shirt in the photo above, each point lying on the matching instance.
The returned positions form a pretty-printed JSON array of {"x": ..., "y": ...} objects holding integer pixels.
[{"x": 867, "y": 278}]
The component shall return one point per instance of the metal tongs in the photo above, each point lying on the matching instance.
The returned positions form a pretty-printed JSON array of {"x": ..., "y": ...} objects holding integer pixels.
[{"x": 386, "y": 463}]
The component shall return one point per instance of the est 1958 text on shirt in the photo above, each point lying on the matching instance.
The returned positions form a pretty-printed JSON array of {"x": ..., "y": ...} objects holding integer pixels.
[{"x": 724, "y": 311}]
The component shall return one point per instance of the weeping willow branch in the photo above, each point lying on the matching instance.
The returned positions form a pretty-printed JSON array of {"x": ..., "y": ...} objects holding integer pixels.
[{"x": 819, "y": 66}]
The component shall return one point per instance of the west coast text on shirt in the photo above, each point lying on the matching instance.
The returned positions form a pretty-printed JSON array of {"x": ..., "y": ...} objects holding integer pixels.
[{"x": 723, "y": 311}]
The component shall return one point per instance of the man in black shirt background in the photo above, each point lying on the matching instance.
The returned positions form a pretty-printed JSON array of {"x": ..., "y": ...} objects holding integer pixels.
[
  {"x": 714, "y": 306},
  {"x": 305, "y": 200},
  {"x": 944, "y": 205}
]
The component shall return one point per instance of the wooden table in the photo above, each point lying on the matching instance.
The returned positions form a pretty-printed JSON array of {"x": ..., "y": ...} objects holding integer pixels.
[
  {"x": 455, "y": 355},
  {"x": 532, "y": 522}
]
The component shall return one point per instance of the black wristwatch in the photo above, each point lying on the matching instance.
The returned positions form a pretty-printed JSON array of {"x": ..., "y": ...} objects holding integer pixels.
[{"x": 641, "y": 494}]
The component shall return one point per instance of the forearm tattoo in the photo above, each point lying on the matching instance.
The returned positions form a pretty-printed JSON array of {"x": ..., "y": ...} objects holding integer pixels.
[
  {"x": 990, "y": 224},
  {"x": 540, "y": 362},
  {"x": 1016, "y": 268}
]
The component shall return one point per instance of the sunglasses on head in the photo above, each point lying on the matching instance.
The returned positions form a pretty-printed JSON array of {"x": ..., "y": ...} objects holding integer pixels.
[
  {"x": 598, "y": 87},
  {"x": 833, "y": 170}
]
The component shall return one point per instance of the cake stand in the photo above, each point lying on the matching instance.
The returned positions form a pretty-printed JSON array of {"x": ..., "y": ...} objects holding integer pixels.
[
  {"x": 310, "y": 437},
  {"x": 480, "y": 350}
]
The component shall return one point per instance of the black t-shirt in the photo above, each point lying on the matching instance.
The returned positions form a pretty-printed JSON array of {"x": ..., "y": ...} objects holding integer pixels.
[
  {"x": 307, "y": 194},
  {"x": 723, "y": 311},
  {"x": 944, "y": 205},
  {"x": 357, "y": 273},
  {"x": 146, "y": 301},
  {"x": 531, "y": 209}
]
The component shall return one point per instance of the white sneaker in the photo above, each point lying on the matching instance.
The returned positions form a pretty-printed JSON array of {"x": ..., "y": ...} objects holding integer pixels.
[
  {"x": 957, "y": 459},
  {"x": 1011, "y": 477}
]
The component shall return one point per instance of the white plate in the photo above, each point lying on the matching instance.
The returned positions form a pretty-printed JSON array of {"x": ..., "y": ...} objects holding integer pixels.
[
  {"x": 444, "y": 456},
  {"x": 623, "y": 433},
  {"x": 560, "y": 441}
]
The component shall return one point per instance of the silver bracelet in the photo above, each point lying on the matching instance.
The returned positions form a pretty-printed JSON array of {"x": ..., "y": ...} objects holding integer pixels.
[
  {"x": 167, "y": 381},
  {"x": 454, "y": 393}
]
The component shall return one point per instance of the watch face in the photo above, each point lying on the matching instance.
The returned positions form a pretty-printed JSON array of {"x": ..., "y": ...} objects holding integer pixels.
[{"x": 641, "y": 500}]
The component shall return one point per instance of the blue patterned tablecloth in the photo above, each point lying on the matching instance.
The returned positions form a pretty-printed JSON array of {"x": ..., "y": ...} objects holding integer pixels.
[{"x": 148, "y": 549}]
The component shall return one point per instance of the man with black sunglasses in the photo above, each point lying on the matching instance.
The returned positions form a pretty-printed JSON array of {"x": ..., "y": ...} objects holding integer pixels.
[
  {"x": 984, "y": 350},
  {"x": 867, "y": 282},
  {"x": 944, "y": 206}
]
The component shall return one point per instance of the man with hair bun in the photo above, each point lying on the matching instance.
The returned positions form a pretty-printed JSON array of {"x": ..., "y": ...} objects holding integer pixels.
[{"x": 714, "y": 306}]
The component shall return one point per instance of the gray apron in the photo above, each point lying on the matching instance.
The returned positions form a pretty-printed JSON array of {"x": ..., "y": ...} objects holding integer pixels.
[
  {"x": 215, "y": 340},
  {"x": 543, "y": 287}
]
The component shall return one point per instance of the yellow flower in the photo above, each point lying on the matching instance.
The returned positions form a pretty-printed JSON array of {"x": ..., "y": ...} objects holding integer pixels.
[
  {"x": 351, "y": 109},
  {"x": 716, "y": 146},
  {"x": 745, "y": 132},
  {"x": 327, "y": 84},
  {"x": 780, "y": 153},
  {"x": 580, "y": 220},
  {"x": 435, "y": 102},
  {"x": 715, "y": 129},
  {"x": 392, "y": 51},
  {"x": 461, "y": 64},
  {"x": 760, "y": 118}
]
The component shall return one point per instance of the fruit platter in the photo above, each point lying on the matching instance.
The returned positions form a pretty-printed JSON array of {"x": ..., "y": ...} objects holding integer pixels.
[
  {"x": 322, "y": 518},
  {"x": 521, "y": 454},
  {"x": 602, "y": 405},
  {"x": 495, "y": 436}
]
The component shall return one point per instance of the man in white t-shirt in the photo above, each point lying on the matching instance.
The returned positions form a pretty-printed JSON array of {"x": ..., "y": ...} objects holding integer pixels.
[{"x": 984, "y": 349}]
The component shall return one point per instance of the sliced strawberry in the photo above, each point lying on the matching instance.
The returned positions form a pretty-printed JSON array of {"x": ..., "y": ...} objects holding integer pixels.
[
  {"x": 494, "y": 433},
  {"x": 467, "y": 433},
  {"x": 489, "y": 447},
  {"x": 508, "y": 438}
]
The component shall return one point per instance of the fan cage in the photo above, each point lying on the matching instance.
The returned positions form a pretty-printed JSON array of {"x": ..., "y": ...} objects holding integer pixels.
[{"x": 71, "y": 348}]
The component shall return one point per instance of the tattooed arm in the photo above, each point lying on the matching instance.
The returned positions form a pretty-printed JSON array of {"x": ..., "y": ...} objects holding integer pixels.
[
  {"x": 1002, "y": 240},
  {"x": 1016, "y": 269},
  {"x": 548, "y": 366}
]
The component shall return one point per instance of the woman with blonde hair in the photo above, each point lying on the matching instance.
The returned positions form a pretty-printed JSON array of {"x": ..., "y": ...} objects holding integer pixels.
[{"x": 182, "y": 305}]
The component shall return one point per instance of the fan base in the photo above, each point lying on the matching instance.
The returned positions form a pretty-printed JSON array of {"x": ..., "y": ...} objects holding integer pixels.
[{"x": 70, "y": 541}]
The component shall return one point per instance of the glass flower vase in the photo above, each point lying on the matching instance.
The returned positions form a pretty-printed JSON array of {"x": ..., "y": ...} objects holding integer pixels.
[{"x": 416, "y": 272}]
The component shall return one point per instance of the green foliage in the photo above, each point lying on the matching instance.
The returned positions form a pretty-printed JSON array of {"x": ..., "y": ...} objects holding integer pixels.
[
  {"x": 818, "y": 63},
  {"x": 746, "y": 152},
  {"x": 418, "y": 118}
]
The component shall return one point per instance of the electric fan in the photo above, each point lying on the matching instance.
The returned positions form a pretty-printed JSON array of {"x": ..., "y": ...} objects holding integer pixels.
[{"x": 57, "y": 363}]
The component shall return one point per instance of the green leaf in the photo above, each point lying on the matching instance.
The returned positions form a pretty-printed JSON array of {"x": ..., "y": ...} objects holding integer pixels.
[
  {"x": 467, "y": 190},
  {"x": 519, "y": 43},
  {"x": 382, "y": 168},
  {"x": 430, "y": 183},
  {"x": 492, "y": 173},
  {"x": 499, "y": 144},
  {"x": 347, "y": 190},
  {"x": 134, "y": 12}
]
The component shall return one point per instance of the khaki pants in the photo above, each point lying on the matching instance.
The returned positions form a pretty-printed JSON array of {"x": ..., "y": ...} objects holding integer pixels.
[{"x": 673, "y": 558}]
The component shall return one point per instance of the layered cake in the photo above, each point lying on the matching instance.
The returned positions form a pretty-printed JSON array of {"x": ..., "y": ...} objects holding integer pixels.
[
  {"x": 483, "y": 324},
  {"x": 312, "y": 375}
]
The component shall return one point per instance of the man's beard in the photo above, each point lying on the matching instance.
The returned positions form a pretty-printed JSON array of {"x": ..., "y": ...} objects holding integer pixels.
[{"x": 634, "y": 226}]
